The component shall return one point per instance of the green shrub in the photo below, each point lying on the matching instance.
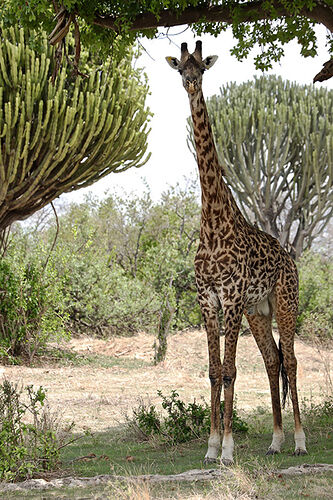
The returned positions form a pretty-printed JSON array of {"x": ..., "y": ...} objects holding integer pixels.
[
  {"x": 147, "y": 419},
  {"x": 30, "y": 308},
  {"x": 181, "y": 421},
  {"x": 315, "y": 318},
  {"x": 30, "y": 441},
  {"x": 318, "y": 415},
  {"x": 125, "y": 263},
  {"x": 100, "y": 298}
]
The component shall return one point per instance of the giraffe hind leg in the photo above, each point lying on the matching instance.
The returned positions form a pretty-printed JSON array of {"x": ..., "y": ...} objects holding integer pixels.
[
  {"x": 261, "y": 328},
  {"x": 290, "y": 365},
  {"x": 286, "y": 315}
]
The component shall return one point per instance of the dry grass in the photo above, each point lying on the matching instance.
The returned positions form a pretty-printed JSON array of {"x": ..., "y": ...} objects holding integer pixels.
[{"x": 98, "y": 398}]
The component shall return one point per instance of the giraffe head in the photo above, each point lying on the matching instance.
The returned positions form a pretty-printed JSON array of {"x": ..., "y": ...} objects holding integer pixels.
[{"x": 191, "y": 66}]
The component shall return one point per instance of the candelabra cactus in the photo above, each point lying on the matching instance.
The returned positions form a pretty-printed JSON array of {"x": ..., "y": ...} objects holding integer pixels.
[
  {"x": 58, "y": 138},
  {"x": 275, "y": 141}
]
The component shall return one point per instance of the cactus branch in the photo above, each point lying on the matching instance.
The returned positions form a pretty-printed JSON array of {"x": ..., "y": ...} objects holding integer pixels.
[{"x": 56, "y": 139}]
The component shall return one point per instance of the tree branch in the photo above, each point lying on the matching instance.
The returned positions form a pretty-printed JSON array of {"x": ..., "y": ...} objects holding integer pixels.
[{"x": 248, "y": 12}]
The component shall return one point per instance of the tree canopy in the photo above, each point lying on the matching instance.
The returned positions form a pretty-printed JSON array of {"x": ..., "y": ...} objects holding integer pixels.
[
  {"x": 269, "y": 24},
  {"x": 275, "y": 140}
]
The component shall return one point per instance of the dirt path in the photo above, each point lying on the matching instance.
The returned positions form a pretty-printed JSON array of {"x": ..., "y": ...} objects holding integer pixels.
[{"x": 98, "y": 398}]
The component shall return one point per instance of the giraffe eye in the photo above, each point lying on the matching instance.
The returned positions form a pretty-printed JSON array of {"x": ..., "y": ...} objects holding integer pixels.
[
  {"x": 202, "y": 71},
  {"x": 180, "y": 72}
]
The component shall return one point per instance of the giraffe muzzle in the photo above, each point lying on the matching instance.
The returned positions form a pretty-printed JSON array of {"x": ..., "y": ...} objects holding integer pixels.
[{"x": 191, "y": 86}]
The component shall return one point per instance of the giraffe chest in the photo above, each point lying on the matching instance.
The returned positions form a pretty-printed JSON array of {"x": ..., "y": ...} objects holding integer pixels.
[
  {"x": 216, "y": 263},
  {"x": 235, "y": 274}
]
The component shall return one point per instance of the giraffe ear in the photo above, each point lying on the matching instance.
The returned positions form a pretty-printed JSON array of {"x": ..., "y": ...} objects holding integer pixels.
[
  {"x": 173, "y": 62},
  {"x": 209, "y": 61}
]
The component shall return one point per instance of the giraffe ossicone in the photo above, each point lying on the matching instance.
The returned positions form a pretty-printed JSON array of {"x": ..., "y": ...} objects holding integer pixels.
[{"x": 243, "y": 271}]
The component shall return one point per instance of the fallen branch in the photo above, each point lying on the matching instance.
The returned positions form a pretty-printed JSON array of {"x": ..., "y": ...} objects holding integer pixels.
[{"x": 187, "y": 476}]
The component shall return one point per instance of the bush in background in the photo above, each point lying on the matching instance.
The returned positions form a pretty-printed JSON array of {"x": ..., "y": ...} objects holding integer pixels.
[
  {"x": 122, "y": 265},
  {"x": 315, "y": 318},
  {"x": 31, "y": 306},
  {"x": 99, "y": 297}
]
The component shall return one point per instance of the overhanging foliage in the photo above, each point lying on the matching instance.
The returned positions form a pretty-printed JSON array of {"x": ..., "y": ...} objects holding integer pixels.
[{"x": 267, "y": 23}]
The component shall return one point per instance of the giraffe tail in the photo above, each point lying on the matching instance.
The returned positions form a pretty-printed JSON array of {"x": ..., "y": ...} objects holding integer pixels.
[{"x": 284, "y": 377}]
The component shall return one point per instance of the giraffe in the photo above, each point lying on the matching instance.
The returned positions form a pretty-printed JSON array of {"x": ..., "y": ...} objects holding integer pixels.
[{"x": 243, "y": 271}]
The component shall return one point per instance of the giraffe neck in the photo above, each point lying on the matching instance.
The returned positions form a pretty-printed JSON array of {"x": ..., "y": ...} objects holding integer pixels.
[{"x": 218, "y": 205}]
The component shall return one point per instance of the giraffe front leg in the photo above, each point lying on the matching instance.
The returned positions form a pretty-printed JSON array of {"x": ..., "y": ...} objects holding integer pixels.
[
  {"x": 215, "y": 376},
  {"x": 214, "y": 441},
  {"x": 229, "y": 377},
  {"x": 232, "y": 321}
]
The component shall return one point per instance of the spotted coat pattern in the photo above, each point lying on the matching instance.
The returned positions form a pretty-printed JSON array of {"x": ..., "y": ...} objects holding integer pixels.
[{"x": 242, "y": 270}]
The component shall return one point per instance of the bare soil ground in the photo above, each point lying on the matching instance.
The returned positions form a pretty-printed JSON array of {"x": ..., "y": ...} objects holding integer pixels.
[{"x": 98, "y": 398}]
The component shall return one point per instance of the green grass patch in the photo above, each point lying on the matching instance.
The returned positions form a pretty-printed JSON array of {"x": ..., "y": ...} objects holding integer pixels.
[
  {"x": 66, "y": 357},
  {"x": 112, "y": 453},
  {"x": 55, "y": 356},
  {"x": 118, "y": 451}
]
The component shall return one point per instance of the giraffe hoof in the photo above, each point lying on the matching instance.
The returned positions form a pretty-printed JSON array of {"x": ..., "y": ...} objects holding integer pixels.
[
  {"x": 271, "y": 451},
  {"x": 300, "y": 451},
  {"x": 210, "y": 460},
  {"x": 227, "y": 461}
]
